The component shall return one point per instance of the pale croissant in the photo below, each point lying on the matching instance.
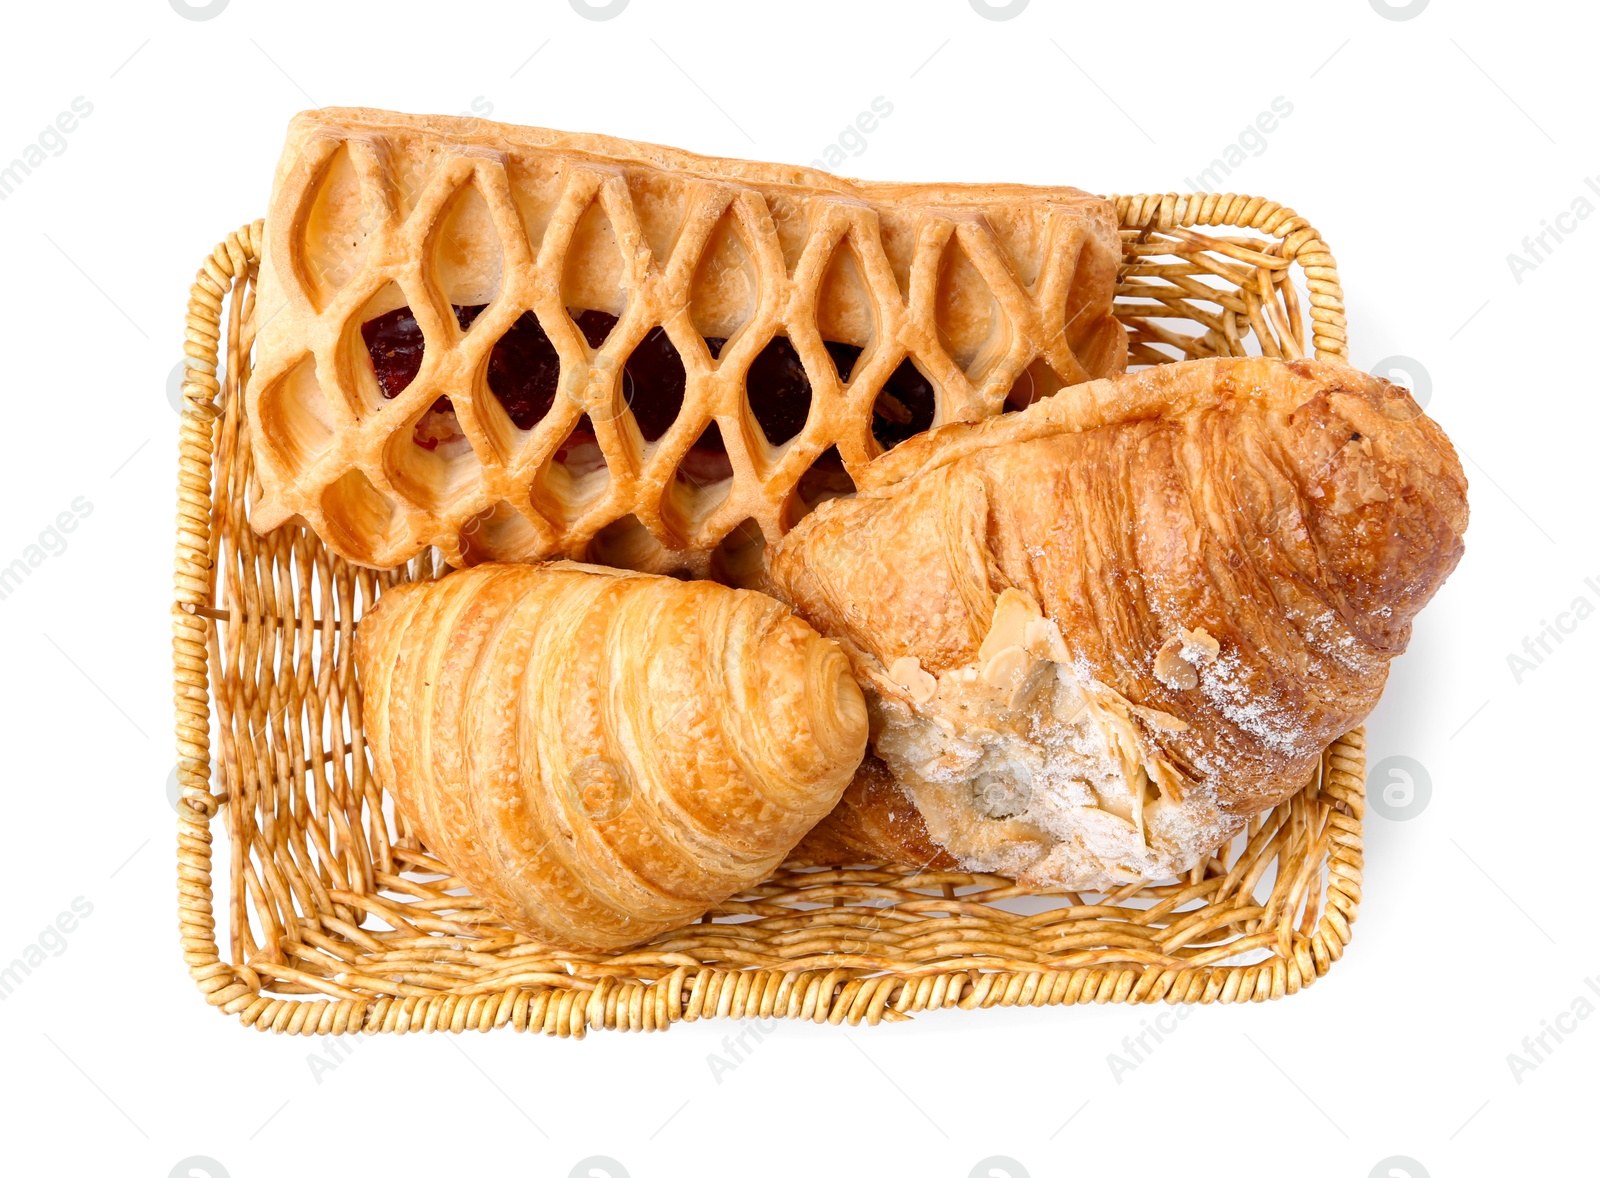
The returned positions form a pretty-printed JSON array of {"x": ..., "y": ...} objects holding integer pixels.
[
  {"x": 1098, "y": 634},
  {"x": 601, "y": 756}
]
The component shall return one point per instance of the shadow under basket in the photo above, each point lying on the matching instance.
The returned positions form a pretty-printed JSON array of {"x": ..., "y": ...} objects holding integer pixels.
[{"x": 338, "y": 920}]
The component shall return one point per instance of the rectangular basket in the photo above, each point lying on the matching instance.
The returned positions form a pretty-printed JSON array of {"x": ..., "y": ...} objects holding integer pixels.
[{"x": 339, "y": 921}]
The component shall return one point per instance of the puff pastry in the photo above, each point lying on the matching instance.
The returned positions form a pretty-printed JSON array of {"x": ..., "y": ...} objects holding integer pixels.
[
  {"x": 511, "y": 343},
  {"x": 600, "y": 755},
  {"x": 1096, "y": 635}
]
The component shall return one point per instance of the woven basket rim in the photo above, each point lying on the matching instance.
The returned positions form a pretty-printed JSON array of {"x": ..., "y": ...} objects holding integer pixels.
[{"x": 822, "y": 995}]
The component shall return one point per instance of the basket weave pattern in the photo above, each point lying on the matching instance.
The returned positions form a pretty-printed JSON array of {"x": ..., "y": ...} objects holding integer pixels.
[{"x": 339, "y": 920}]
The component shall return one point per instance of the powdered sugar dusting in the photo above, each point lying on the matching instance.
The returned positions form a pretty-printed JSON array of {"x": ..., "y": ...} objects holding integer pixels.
[
  {"x": 1274, "y": 728},
  {"x": 1053, "y": 781}
]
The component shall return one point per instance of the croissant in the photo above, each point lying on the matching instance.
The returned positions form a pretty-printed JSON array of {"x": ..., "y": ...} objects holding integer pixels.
[
  {"x": 1098, "y": 634},
  {"x": 599, "y": 755}
]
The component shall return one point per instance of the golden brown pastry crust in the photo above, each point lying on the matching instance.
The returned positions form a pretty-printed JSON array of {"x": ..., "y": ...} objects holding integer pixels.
[
  {"x": 987, "y": 286},
  {"x": 602, "y": 756},
  {"x": 874, "y": 822},
  {"x": 1231, "y": 550}
]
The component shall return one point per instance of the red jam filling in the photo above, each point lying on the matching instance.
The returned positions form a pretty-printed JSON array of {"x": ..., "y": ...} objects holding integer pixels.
[
  {"x": 525, "y": 370},
  {"x": 394, "y": 341},
  {"x": 652, "y": 377},
  {"x": 523, "y": 366}
]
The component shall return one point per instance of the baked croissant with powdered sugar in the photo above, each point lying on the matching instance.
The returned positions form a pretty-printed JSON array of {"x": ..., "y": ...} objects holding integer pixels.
[{"x": 1097, "y": 635}]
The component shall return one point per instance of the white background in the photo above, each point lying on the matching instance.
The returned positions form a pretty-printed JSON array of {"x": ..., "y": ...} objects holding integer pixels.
[{"x": 1424, "y": 149}]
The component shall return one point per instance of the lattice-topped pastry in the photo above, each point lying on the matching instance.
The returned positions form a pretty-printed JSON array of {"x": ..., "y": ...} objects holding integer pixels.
[{"x": 512, "y": 343}]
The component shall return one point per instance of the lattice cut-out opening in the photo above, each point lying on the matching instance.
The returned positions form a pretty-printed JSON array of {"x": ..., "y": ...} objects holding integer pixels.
[
  {"x": 653, "y": 384},
  {"x": 737, "y": 559},
  {"x": 907, "y": 405},
  {"x": 382, "y": 349},
  {"x": 468, "y": 261},
  {"x": 594, "y": 275},
  {"x": 594, "y": 326},
  {"x": 499, "y": 532},
  {"x": 1020, "y": 233},
  {"x": 971, "y": 326},
  {"x": 297, "y": 416},
  {"x": 777, "y": 391},
  {"x": 338, "y": 228},
  {"x": 361, "y": 516},
  {"x": 726, "y": 290},
  {"x": 432, "y": 465},
  {"x": 573, "y": 477},
  {"x": 523, "y": 375},
  {"x": 826, "y": 478},
  {"x": 659, "y": 203},
  {"x": 846, "y": 310},
  {"x": 1033, "y": 383},
  {"x": 700, "y": 483},
  {"x": 625, "y": 543}
]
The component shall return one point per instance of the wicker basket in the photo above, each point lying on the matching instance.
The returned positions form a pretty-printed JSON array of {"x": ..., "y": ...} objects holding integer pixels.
[{"x": 340, "y": 921}]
